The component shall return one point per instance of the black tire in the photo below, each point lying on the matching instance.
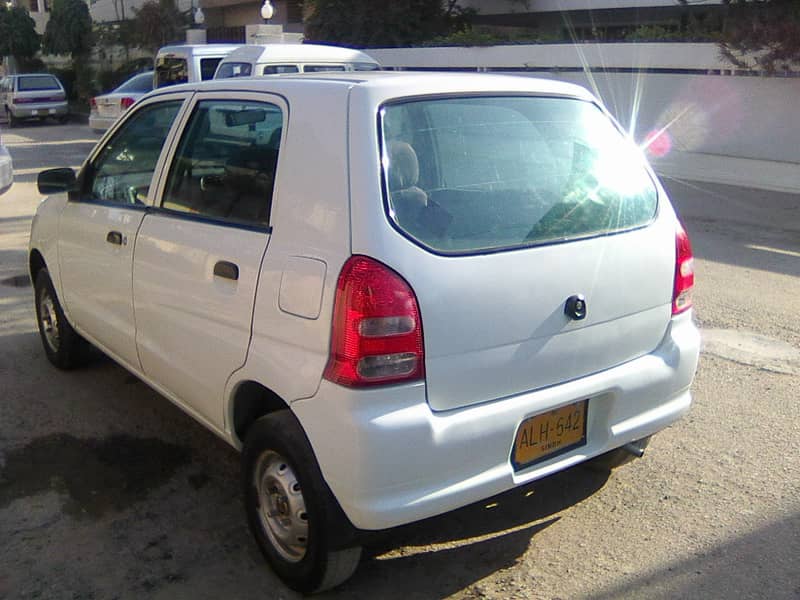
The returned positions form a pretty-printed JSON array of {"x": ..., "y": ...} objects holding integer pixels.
[
  {"x": 298, "y": 525},
  {"x": 63, "y": 119},
  {"x": 12, "y": 120},
  {"x": 64, "y": 347},
  {"x": 616, "y": 458}
]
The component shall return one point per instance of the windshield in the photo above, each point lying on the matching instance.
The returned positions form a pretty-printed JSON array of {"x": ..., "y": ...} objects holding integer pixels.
[
  {"x": 30, "y": 83},
  {"x": 488, "y": 173},
  {"x": 171, "y": 71}
]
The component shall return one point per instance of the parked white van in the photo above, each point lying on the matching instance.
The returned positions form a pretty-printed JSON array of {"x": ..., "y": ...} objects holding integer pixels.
[
  {"x": 188, "y": 63},
  {"x": 271, "y": 59}
]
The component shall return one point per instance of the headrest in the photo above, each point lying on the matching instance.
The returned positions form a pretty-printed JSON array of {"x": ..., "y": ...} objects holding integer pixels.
[{"x": 403, "y": 166}]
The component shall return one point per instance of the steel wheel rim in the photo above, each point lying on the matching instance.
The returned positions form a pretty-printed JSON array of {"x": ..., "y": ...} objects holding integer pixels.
[
  {"x": 48, "y": 320},
  {"x": 281, "y": 506}
]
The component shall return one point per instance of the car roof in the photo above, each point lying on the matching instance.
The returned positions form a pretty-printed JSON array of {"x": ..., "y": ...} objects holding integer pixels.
[
  {"x": 197, "y": 49},
  {"x": 389, "y": 84},
  {"x": 296, "y": 52}
]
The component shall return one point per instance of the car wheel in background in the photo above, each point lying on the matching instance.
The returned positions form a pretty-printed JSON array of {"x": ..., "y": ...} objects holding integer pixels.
[{"x": 290, "y": 509}]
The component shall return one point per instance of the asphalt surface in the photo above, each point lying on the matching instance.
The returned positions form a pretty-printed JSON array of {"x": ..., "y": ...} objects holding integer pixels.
[{"x": 109, "y": 491}]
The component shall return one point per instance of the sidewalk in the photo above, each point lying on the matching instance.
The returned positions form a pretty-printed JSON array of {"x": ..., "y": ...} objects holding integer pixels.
[{"x": 744, "y": 172}]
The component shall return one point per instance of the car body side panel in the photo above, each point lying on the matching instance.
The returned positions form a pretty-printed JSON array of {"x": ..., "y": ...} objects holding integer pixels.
[{"x": 309, "y": 215}]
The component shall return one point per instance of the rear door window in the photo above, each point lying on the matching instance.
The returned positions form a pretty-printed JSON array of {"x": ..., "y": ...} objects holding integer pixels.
[
  {"x": 278, "y": 69},
  {"x": 224, "y": 168},
  {"x": 322, "y": 68},
  {"x": 466, "y": 175},
  {"x": 208, "y": 66}
]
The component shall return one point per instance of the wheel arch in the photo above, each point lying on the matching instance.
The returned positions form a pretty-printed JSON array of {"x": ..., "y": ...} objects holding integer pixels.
[
  {"x": 249, "y": 402},
  {"x": 36, "y": 263}
]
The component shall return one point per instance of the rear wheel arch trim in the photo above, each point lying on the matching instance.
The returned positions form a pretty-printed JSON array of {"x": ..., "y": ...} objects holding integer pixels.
[{"x": 249, "y": 401}]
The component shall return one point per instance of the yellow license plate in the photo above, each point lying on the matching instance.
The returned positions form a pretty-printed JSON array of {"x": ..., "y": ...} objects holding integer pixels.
[{"x": 549, "y": 434}]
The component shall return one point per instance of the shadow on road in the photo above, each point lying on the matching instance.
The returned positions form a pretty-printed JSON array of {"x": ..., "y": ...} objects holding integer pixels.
[{"x": 744, "y": 567}]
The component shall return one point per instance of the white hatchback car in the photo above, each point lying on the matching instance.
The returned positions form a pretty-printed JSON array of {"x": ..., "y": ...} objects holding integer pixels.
[{"x": 397, "y": 293}]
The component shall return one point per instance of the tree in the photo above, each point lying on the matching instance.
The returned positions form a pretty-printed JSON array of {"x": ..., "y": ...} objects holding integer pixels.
[
  {"x": 69, "y": 30},
  {"x": 767, "y": 30},
  {"x": 386, "y": 23},
  {"x": 157, "y": 23},
  {"x": 18, "y": 37}
]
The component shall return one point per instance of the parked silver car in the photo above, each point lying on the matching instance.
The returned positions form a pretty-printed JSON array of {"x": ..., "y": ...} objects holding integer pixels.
[
  {"x": 32, "y": 96},
  {"x": 106, "y": 109}
]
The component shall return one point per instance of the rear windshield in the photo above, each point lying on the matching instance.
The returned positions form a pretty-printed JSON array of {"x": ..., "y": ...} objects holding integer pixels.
[
  {"x": 466, "y": 175},
  {"x": 30, "y": 83},
  {"x": 228, "y": 70},
  {"x": 171, "y": 71},
  {"x": 141, "y": 83}
]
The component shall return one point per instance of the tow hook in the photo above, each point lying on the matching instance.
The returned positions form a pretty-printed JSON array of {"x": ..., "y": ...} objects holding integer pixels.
[{"x": 634, "y": 448}]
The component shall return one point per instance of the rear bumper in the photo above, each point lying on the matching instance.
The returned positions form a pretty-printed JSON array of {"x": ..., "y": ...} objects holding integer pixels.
[
  {"x": 390, "y": 460},
  {"x": 26, "y": 111},
  {"x": 99, "y": 123}
]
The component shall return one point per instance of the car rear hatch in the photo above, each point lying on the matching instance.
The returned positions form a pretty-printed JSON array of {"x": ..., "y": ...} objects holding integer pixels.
[
  {"x": 108, "y": 106},
  {"x": 37, "y": 90},
  {"x": 521, "y": 211}
]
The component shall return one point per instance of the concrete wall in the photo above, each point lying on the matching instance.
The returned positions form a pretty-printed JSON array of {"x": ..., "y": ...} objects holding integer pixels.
[
  {"x": 753, "y": 119},
  {"x": 489, "y": 7},
  {"x": 745, "y": 117},
  {"x": 533, "y": 56}
]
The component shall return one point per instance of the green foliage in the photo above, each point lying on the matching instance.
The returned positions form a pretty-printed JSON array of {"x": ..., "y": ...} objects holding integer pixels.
[
  {"x": 382, "y": 23},
  {"x": 18, "y": 37},
  {"x": 770, "y": 29},
  {"x": 653, "y": 33},
  {"x": 492, "y": 36},
  {"x": 69, "y": 30},
  {"x": 158, "y": 23},
  {"x": 67, "y": 79}
]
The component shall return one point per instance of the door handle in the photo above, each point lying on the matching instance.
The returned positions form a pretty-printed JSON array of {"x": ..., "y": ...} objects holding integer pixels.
[
  {"x": 227, "y": 270},
  {"x": 115, "y": 237}
]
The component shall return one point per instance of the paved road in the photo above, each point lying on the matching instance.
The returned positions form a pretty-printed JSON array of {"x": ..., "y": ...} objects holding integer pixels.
[{"x": 108, "y": 491}]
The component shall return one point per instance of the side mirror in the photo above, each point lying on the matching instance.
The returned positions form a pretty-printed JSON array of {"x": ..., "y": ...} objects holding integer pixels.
[{"x": 55, "y": 181}]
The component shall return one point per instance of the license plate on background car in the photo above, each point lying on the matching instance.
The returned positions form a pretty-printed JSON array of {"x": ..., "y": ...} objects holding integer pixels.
[
  {"x": 34, "y": 112},
  {"x": 549, "y": 434}
]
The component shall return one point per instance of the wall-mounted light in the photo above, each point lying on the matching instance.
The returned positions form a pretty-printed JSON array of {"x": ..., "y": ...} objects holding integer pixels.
[{"x": 267, "y": 10}]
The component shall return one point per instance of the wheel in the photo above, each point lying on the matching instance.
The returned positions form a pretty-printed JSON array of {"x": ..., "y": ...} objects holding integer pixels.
[
  {"x": 617, "y": 457},
  {"x": 12, "y": 120},
  {"x": 64, "y": 347},
  {"x": 63, "y": 119},
  {"x": 290, "y": 509}
]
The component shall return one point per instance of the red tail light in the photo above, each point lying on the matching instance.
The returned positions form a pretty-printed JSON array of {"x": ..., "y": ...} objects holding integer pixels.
[
  {"x": 126, "y": 102},
  {"x": 23, "y": 100},
  {"x": 684, "y": 272},
  {"x": 93, "y": 103},
  {"x": 376, "y": 336}
]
